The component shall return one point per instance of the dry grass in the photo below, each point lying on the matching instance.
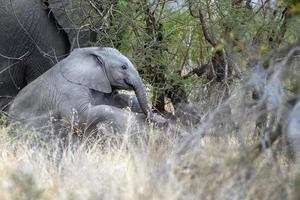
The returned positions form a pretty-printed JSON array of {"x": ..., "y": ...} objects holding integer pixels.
[{"x": 143, "y": 169}]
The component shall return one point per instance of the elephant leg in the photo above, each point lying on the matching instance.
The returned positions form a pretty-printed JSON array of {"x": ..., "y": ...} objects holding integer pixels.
[
  {"x": 124, "y": 100},
  {"x": 9, "y": 88},
  {"x": 118, "y": 119},
  {"x": 11, "y": 81},
  {"x": 5, "y": 102}
]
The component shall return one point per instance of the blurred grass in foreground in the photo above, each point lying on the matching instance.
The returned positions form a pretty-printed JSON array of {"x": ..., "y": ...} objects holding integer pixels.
[{"x": 144, "y": 169}]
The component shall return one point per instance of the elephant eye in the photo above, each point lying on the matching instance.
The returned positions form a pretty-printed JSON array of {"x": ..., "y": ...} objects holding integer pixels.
[
  {"x": 124, "y": 67},
  {"x": 100, "y": 61}
]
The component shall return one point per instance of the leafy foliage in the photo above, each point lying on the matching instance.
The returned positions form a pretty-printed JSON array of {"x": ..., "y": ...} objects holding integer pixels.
[{"x": 166, "y": 39}]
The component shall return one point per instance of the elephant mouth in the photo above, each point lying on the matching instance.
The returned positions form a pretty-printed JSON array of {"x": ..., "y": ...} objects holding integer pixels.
[
  {"x": 123, "y": 86},
  {"x": 128, "y": 84}
]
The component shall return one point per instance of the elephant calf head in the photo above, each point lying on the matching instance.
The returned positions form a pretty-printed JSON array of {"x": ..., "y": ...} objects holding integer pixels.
[{"x": 103, "y": 70}]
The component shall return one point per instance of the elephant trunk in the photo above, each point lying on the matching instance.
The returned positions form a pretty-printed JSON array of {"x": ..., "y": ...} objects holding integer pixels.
[{"x": 142, "y": 98}]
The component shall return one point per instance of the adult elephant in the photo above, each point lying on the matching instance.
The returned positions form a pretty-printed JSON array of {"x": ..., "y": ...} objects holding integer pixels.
[
  {"x": 84, "y": 83},
  {"x": 34, "y": 35}
]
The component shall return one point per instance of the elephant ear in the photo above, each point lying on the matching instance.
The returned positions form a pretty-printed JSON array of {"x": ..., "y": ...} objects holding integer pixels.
[
  {"x": 69, "y": 16},
  {"x": 87, "y": 71}
]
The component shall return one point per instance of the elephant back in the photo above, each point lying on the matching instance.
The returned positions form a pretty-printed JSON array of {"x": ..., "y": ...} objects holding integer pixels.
[{"x": 72, "y": 16}]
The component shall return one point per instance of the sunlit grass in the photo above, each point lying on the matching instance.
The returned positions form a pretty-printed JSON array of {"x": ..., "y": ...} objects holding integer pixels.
[{"x": 148, "y": 168}]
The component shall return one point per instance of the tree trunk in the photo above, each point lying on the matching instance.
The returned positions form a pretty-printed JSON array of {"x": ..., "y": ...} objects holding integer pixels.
[{"x": 153, "y": 51}]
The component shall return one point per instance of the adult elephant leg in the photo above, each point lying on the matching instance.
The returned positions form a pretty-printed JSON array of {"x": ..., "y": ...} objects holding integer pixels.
[
  {"x": 34, "y": 44},
  {"x": 11, "y": 82},
  {"x": 36, "y": 65},
  {"x": 4, "y": 103},
  {"x": 52, "y": 45}
]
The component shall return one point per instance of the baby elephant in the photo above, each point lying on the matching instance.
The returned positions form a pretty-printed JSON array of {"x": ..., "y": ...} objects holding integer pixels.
[{"x": 82, "y": 89}]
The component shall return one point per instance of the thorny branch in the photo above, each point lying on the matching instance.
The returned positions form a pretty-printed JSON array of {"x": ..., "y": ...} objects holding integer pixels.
[
  {"x": 13, "y": 58},
  {"x": 95, "y": 8}
]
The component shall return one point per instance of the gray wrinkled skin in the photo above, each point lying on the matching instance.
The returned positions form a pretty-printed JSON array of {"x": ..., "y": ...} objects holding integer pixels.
[
  {"x": 81, "y": 88},
  {"x": 30, "y": 44},
  {"x": 34, "y": 36}
]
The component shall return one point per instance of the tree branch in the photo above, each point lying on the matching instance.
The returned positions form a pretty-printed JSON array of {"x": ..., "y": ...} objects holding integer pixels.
[
  {"x": 191, "y": 11},
  {"x": 199, "y": 71},
  {"x": 210, "y": 39}
]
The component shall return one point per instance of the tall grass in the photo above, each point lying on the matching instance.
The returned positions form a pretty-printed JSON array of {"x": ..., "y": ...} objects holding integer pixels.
[{"x": 148, "y": 168}]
